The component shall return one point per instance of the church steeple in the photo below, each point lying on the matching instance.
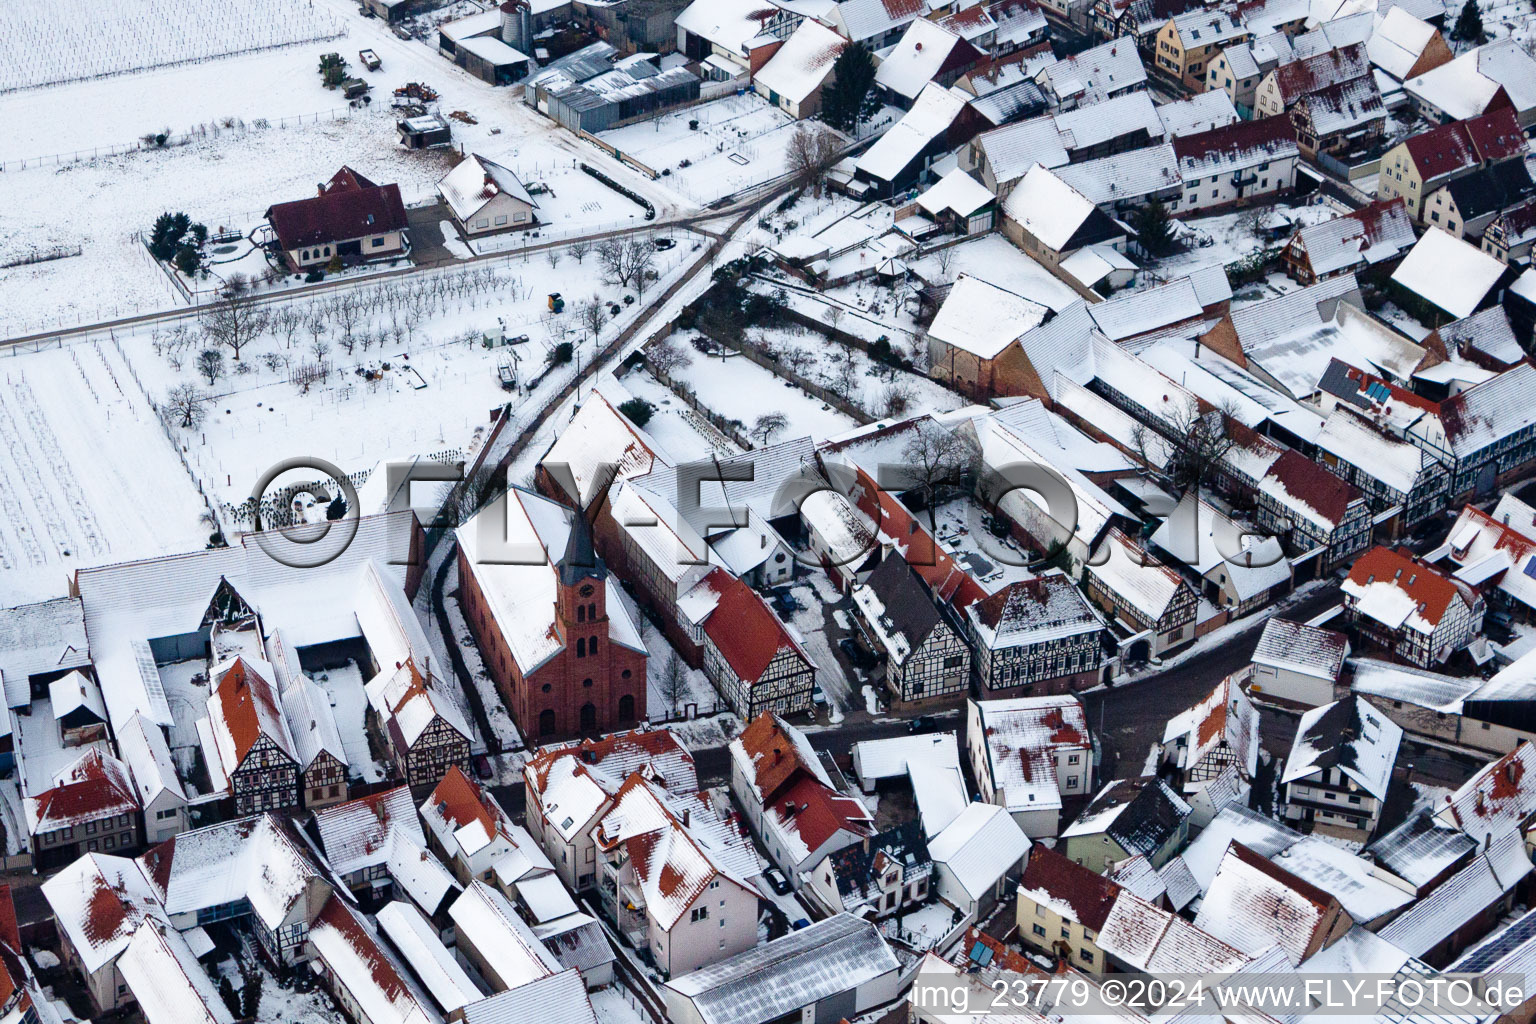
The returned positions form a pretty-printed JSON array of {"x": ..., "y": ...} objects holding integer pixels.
[{"x": 580, "y": 559}]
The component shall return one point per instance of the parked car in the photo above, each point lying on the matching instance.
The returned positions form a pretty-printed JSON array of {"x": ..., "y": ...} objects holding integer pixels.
[
  {"x": 861, "y": 656},
  {"x": 776, "y": 879},
  {"x": 922, "y": 723},
  {"x": 784, "y": 602}
]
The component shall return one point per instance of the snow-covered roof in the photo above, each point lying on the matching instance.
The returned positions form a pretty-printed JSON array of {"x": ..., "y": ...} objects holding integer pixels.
[
  {"x": 166, "y": 980},
  {"x": 358, "y": 834},
  {"x": 1372, "y": 451},
  {"x": 1372, "y": 234},
  {"x": 1252, "y": 904},
  {"x": 418, "y": 942},
  {"x": 1148, "y": 938},
  {"x": 837, "y": 955},
  {"x": 1141, "y": 815},
  {"x": 1462, "y": 897},
  {"x": 1048, "y": 208},
  {"x": 1258, "y": 564},
  {"x": 1095, "y": 73},
  {"x": 95, "y": 785},
  {"x": 1398, "y": 41},
  {"x": 1491, "y": 411},
  {"x": 36, "y": 638},
  {"x": 74, "y": 692},
  {"x": 1366, "y": 892},
  {"x": 1408, "y": 684},
  {"x": 924, "y": 49},
  {"x": 243, "y": 709},
  {"x": 1022, "y": 736},
  {"x": 980, "y": 847},
  {"x": 1127, "y": 571},
  {"x": 982, "y": 319},
  {"x": 99, "y": 902},
  {"x": 934, "y": 110},
  {"x": 597, "y": 437},
  {"x": 476, "y": 181},
  {"x": 373, "y": 978},
  {"x": 1225, "y": 717},
  {"x": 1092, "y": 125},
  {"x": 311, "y": 722},
  {"x": 1038, "y": 610},
  {"x": 890, "y": 757},
  {"x": 957, "y": 192},
  {"x": 729, "y": 24},
  {"x": 558, "y": 999},
  {"x": 407, "y": 701},
  {"x": 1448, "y": 272},
  {"x": 253, "y": 859},
  {"x": 871, "y": 19},
  {"x": 143, "y": 747},
  {"x": 1234, "y": 146},
  {"x": 1400, "y": 592},
  {"x": 802, "y": 64},
  {"x": 1200, "y": 113},
  {"x": 1013, "y": 149},
  {"x": 1124, "y": 177},
  {"x": 1349, "y": 735},
  {"x": 1464, "y": 87},
  {"x": 1298, "y": 647},
  {"x": 1297, "y": 358},
  {"x": 1500, "y": 797},
  {"x": 487, "y": 921}
]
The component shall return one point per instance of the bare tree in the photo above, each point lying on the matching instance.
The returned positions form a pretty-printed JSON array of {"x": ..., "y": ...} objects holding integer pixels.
[
  {"x": 286, "y": 323},
  {"x": 1200, "y": 441},
  {"x": 936, "y": 460},
  {"x": 843, "y": 376},
  {"x": 769, "y": 424},
  {"x": 895, "y": 400},
  {"x": 185, "y": 402},
  {"x": 316, "y": 326},
  {"x": 579, "y": 249},
  {"x": 321, "y": 348},
  {"x": 673, "y": 683},
  {"x": 945, "y": 258},
  {"x": 210, "y": 364},
  {"x": 552, "y": 254},
  {"x": 812, "y": 151},
  {"x": 274, "y": 361},
  {"x": 594, "y": 314},
  {"x": 307, "y": 374},
  {"x": 640, "y": 261},
  {"x": 665, "y": 357},
  {"x": 234, "y": 320},
  {"x": 610, "y": 257},
  {"x": 833, "y": 316},
  {"x": 348, "y": 310}
]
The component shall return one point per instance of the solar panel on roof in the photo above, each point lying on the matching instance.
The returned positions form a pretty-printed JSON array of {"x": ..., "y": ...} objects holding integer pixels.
[{"x": 981, "y": 954}]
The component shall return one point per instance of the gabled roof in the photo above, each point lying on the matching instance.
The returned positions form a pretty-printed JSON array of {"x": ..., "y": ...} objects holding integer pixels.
[
  {"x": 1057, "y": 214},
  {"x": 1490, "y": 189},
  {"x": 1470, "y": 84},
  {"x": 1376, "y": 232},
  {"x": 1253, "y": 904},
  {"x": 1141, "y": 815},
  {"x": 1298, "y": 647},
  {"x": 350, "y": 207},
  {"x": 802, "y": 64},
  {"x": 148, "y": 757},
  {"x": 980, "y": 847},
  {"x": 1349, "y": 735},
  {"x": 96, "y": 785},
  {"x": 488, "y": 921},
  {"x": 1128, "y": 572},
  {"x": 746, "y": 631},
  {"x": 897, "y": 607},
  {"x": 1344, "y": 105},
  {"x": 476, "y": 181},
  {"x": 243, "y": 709},
  {"x": 777, "y": 753},
  {"x": 1398, "y": 591},
  {"x": 1235, "y": 145},
  {"x": 926, "y": 51},
  {"x": 1398, "y": 42},
  {"x": 1033, "y": 611},
  {"x": 463, "y": 816},
  {"x": 256, "y": 859},
  {"x": 374, "y": 980},
  {"x": 407, "y": 702},
  {"x": 1091, "y": 76},
  {"x": 983, "y": 319},
  {"x": 359, "y": 833},
  {"x": 1490, "y": 411},
  {"x": 1461, "y": 145},
  {"x": 1312, "y": 74},
  {"x": 166, "y": 980},
  {"x": 1499, "y": 798},
  {"x": 312, "y": 722},
  {"x": 1022, "y": 736},
  {"x": 75, "y": 694},
  {"x": 99, "y": 903},
  {"x": 1224, "y": 718},
  {"x": 1071, "y": 890}
]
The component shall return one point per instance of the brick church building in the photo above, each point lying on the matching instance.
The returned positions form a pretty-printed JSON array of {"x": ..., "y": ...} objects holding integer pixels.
[{"x": 562, "y": 646}]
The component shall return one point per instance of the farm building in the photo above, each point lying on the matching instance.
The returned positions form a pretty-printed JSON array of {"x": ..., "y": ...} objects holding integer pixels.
[{"x": 590, "y": 91}]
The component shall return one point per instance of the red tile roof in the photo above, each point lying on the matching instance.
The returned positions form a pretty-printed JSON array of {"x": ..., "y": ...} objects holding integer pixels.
[
  {"x": 1311, "y": 483},
  {"x": 95, "y": 787},
  {"x": 817, "y": 813},
  {"x": 746, "y": 632},
  {"x": 774, "y": 755},
  {"x": 1462, "y": 145},
  {"x": 1313, "y": 74},
  {"x": 460, "y": 800},
  {"x": 1431, "y": 589},
  {"x": 349, "y": 206},
  {"x": 249, "y": 702},
  {"x": 1236, "y": 138},
  {"x": 1090, "y": 895}
]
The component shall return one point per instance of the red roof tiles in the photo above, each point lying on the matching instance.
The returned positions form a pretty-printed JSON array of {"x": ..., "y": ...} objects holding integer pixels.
[
  {"x": 349, "y": 206},
  {"x": 1463, "y": 145},
  {"x": 1432, "y": 590}
]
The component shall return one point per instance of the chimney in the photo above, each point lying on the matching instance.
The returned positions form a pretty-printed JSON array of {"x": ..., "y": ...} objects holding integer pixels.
[{"x": 687, "y": 816}]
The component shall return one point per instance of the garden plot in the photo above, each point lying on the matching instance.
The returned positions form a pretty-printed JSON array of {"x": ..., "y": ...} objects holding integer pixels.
[
  {"x": 1226, "y": 238},
  {"x": 683, "y": 434},
  {"x": 740, "y": 142},
  {"x": 736, "y": 387},
  {"x": 399, "y": 390},
  {"x": 72, "y": 497},
  {"x": 64, "y": 40}
]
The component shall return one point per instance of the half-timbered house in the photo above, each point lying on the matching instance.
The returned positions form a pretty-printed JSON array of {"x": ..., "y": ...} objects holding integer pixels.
[
  {"x": 317, "y": 743},
  {"x": 750, "y": 656},
  {"x": 246, "y": 742},
  {"x": 925, "y": 656},
  {"x": 424, "y": 728},
  {"x": 1036, "y": 636}
]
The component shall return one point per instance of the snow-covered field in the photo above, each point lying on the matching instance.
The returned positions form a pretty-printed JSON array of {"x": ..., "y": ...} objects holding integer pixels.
[
  {"x": 65, "y": 40},
  {"x": 289, "y": 133},
  {"x": 89, "y": 474}
]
